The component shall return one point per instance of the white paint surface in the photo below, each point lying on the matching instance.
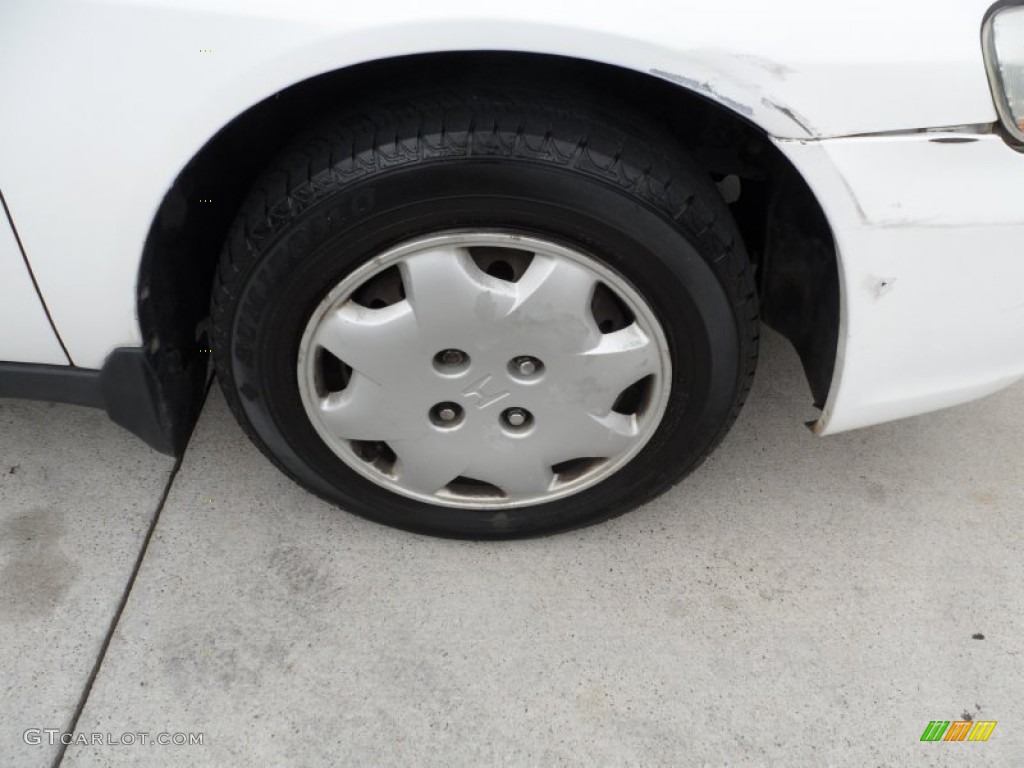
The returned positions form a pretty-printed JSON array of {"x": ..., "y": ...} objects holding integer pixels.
[
  {"x": 942, "y": 227},
  {"x": 26, "y": 335},
  {"x": 110, "y": 99}
]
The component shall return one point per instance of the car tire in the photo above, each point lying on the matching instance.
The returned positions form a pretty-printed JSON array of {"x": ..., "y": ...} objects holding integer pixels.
[{"x": 441, "y": 185}]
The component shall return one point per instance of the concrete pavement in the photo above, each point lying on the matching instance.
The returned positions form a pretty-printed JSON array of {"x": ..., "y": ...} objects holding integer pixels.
[
  {"x": 77, "y": 496},
  {"x": 798, "y": 601}
]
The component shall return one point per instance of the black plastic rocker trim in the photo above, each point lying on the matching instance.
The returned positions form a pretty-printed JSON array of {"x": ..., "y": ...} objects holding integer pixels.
[
  {"x": 59, "y": 383},
  {"x": 159, "y": 406}
]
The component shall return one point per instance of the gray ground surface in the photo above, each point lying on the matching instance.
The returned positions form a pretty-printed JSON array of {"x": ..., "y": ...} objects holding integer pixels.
[
  {"x": 77, "y": 496},
  {"x": 798, "y": 601}
]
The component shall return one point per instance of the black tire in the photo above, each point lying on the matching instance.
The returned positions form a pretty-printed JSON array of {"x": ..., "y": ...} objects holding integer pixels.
[{"x": 550, "y": 164}]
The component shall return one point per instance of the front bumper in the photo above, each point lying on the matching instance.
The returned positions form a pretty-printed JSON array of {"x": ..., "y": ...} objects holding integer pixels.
[{"x": 929, "y": 231}]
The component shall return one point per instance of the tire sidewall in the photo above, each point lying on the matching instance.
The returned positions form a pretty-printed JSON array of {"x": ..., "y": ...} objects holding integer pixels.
[{"x": 308, "y": 253}]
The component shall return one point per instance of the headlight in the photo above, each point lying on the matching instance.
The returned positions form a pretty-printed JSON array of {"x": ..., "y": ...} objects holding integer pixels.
[{"x": 1003, "y": 42}]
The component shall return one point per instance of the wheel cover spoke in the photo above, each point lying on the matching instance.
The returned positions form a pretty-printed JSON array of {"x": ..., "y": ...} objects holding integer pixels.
[
  {"x": 556, "y": 293},
  {"x": 366, "y": 410},
  {"x": 620, "y": 359},
  {"x": 430, "y": 463},
  {"x": 576, "y": 433},
  {"x": 378, "y": 343},
  {"x": 515, "y": 472},
  {"x": 451, "y": 295},
  {"x": 435, "y": 374}
]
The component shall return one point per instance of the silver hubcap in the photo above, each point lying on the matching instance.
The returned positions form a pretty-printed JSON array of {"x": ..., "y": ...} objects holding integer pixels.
[{"x": 484, "y": 369}]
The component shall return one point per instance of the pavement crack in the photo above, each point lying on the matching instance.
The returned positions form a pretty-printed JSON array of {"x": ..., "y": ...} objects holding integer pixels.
[{"x": 101, "y": 656}]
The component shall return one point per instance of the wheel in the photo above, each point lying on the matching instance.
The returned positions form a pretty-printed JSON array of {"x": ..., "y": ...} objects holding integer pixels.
[{"x": 485, "y": 314}]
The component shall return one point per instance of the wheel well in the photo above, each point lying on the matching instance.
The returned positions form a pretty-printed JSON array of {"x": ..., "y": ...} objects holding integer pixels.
[{"x": 783, "y": 227}]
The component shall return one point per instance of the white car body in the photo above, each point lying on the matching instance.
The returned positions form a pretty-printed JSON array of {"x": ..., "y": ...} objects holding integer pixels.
[{"x": 884, "y": 109}]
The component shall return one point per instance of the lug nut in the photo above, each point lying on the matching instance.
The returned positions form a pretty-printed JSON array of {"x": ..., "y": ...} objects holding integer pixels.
[
  {"x": 525, "y": 366},
  {"x": 451, "y": 362},
  {"x": 516, "y": 417},
  {"x": 446, "y": 414}
]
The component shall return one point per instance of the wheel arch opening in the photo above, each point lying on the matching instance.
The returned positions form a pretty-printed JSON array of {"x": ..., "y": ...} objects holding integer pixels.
[{"x": 781, "y": 222}]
